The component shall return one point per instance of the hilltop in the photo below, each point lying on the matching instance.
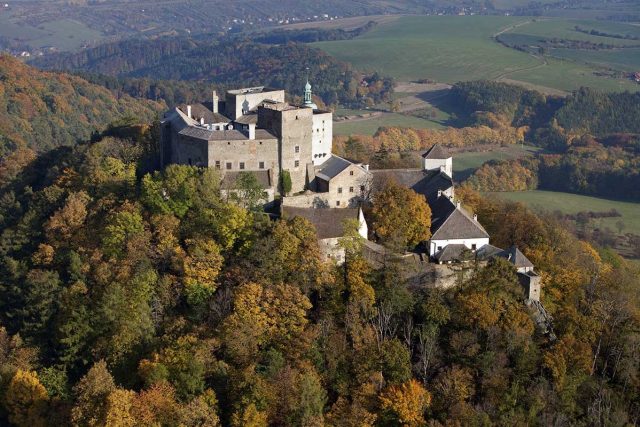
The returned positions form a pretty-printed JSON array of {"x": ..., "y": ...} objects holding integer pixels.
[{"x": 43, "y": 110}]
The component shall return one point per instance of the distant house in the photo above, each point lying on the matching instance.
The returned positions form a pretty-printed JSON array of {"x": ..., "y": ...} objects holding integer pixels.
[
  {"x": 529, "y": 279},
  {"x": 330, "y": 226}
]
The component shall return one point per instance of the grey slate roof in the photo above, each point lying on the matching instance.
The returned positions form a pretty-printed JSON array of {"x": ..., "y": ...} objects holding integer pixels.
[
  {"x": 247, "y": 119},
  {"x": 436, "y": 152},
  {"x": 487, "y": 252},
  {"x": 516, "y": 257},
  {"x": 332, "y": 167},
  {"x": 223, "y": 135},
  {"x": 263, "y": 177},
  {"x": 449, "y": 222},
  {"x": 427, "y": 183},
  {"x": 329, "y": 222},
  {"x": 203, "y": 110},
  {"x": 451, "y": 253}
]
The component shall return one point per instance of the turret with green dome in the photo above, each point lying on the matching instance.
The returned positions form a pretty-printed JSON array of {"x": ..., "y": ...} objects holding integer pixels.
[{"x": 308, "y": 101}]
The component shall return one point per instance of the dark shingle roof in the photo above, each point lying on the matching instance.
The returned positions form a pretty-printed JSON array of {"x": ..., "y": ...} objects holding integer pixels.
[
  {"x": 223, "y": 135},
  {"x": 451, "y": 253},
  {"x": 332, "y": 167},
  {"x": 329, "y": 222},
  {"x": 516, "y": 257},
  {"x": 450, "y": 222},
  {"x": 487, "y": 252},
  {"x": 203, "y": 110},
  {"x": 247, "y": 119},
  {"x": 436, "y": 152},
  {"x": 263, "y": 177},
  {"x": 427, "y": 183}
]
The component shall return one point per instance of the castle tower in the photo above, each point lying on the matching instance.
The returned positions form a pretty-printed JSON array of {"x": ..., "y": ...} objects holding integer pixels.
[{"x": 308, "y": 100}]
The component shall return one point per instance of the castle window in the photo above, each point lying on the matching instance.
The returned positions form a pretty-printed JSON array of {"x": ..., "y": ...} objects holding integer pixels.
[
  {"x": 241, "y": 165},
  {"x": 350, "y": 189},
  {"x": 337, "y": 202},
  {"x": 217, "y": 164},
  {"x": 260, "y": 142},
  {"x": 362, "y": 188},
  {"x": 228, "y": 143},
  {"x": 474, "y": 247},
  {"x": 297, "y": 148},
  {"x": 296, "y": 163},
  {"x": 439, "y": 248},
  {"x": 229, "y": 165},
  {"x": 351, "y": 173},
  {"x": 339, "y": 190},
  {"x": 261, "y": 165}
]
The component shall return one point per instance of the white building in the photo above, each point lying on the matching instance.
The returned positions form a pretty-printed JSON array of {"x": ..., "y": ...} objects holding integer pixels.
[
  {"x": 453, "y": 229},
  {"x": 438, "y": 159}
]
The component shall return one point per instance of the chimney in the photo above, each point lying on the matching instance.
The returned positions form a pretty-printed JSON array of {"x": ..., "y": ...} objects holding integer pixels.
[
  {"x": 475, "y": 217},
  {"x": 215, "y": 102},
  {"x": 189, "y": 111},
  {"x": 458, "y": 205},
  {"x": 439, "y": 193},
  {"x": 202, "y": 121},
  {"x": 252, "y": 131},
  {"x": 366, "y": 167}
]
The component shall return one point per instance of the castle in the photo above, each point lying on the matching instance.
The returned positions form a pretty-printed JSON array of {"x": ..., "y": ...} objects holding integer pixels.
[{"x": 254, "y": 130}]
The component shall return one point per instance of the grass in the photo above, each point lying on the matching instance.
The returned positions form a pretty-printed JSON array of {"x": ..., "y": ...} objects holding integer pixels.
[
  {"x": 460, "y": 48},
  {"x": 465, "y": 163},
  {"x": 370, "y": 126},
  {"x": 64, "y": 34},
  {"x": 443, "y": 48},
  {"x": 573, "y": 203}
]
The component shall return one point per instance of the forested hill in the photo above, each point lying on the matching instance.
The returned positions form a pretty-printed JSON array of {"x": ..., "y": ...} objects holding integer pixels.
[
  {"x": 231, "y": 62},
  {"x": 43, "y": 110}
]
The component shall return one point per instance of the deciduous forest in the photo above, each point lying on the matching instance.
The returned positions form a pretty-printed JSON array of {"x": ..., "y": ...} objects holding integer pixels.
[{"x": 134, "y": 297}]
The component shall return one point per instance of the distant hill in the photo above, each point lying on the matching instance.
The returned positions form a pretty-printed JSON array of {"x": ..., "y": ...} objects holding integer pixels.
[
  {"x": 229, "y": 62},
  {"x": 43, "y": 110}
]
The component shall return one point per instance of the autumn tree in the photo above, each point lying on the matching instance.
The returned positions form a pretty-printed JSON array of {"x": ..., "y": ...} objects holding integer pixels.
[
  {"x": 400, "y": 216},
  {"x": 26, "y": 400},
  {"x": 406, "y": 403}
]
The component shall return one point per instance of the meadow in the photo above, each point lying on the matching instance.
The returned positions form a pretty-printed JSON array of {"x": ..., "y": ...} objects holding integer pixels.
[
  {"x": 573, "y": 203},
  {"x": 63, "y": 34},
  {"x": 457, "y": 48},
  {"x": 465, "y": 163}
]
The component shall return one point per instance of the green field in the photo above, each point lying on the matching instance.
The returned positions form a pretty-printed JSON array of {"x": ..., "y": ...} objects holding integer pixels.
[
  {"x": 573, "y": 203},
  {"x": 465, "y": 163},
  {"x": 455, "y": 48},
  {"x": 64, "y": 34},
  {"x": 370, "y": 126}
]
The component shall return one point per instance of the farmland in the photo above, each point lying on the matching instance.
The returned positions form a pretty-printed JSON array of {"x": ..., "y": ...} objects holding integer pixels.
[
  {"x": 573, "y": 203},
  {"x": 456, "y": 48}
]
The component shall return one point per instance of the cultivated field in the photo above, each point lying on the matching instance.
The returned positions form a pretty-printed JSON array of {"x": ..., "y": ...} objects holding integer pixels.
[
  {"x": 454, "y": 48},
  {"x": 466, "y": 162},
  {"x": 574, "y": 203},
  {"x": 63, "y": 34}
]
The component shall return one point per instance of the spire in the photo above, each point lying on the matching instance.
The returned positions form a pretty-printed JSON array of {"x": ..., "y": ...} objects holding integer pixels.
[{"x": 308, "y": 100}]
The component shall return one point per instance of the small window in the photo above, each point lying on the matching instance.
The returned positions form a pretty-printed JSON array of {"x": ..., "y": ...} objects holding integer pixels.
[
  {"x": 190, "y": 161},
  {"x": 297, "y": 149},
  {"x": 439, "y": 248},
  {"x": 338, "y": 203},
  {"x": 351, "y": 173},
  {"x": 350, "y": 189},
  {"x": 474, "y": 247},
  {"x": 339, "y": 190},
  {"x": 217, "y": 164},
  {"x": 260, "y": 142},
  {"x": 261, "y": 165},
  {"x": 296, "y": 163},
  {"x": 241, "y": 165},
  {"x": 362, "y": 188},
  {"x": 229, "y": 165}
]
